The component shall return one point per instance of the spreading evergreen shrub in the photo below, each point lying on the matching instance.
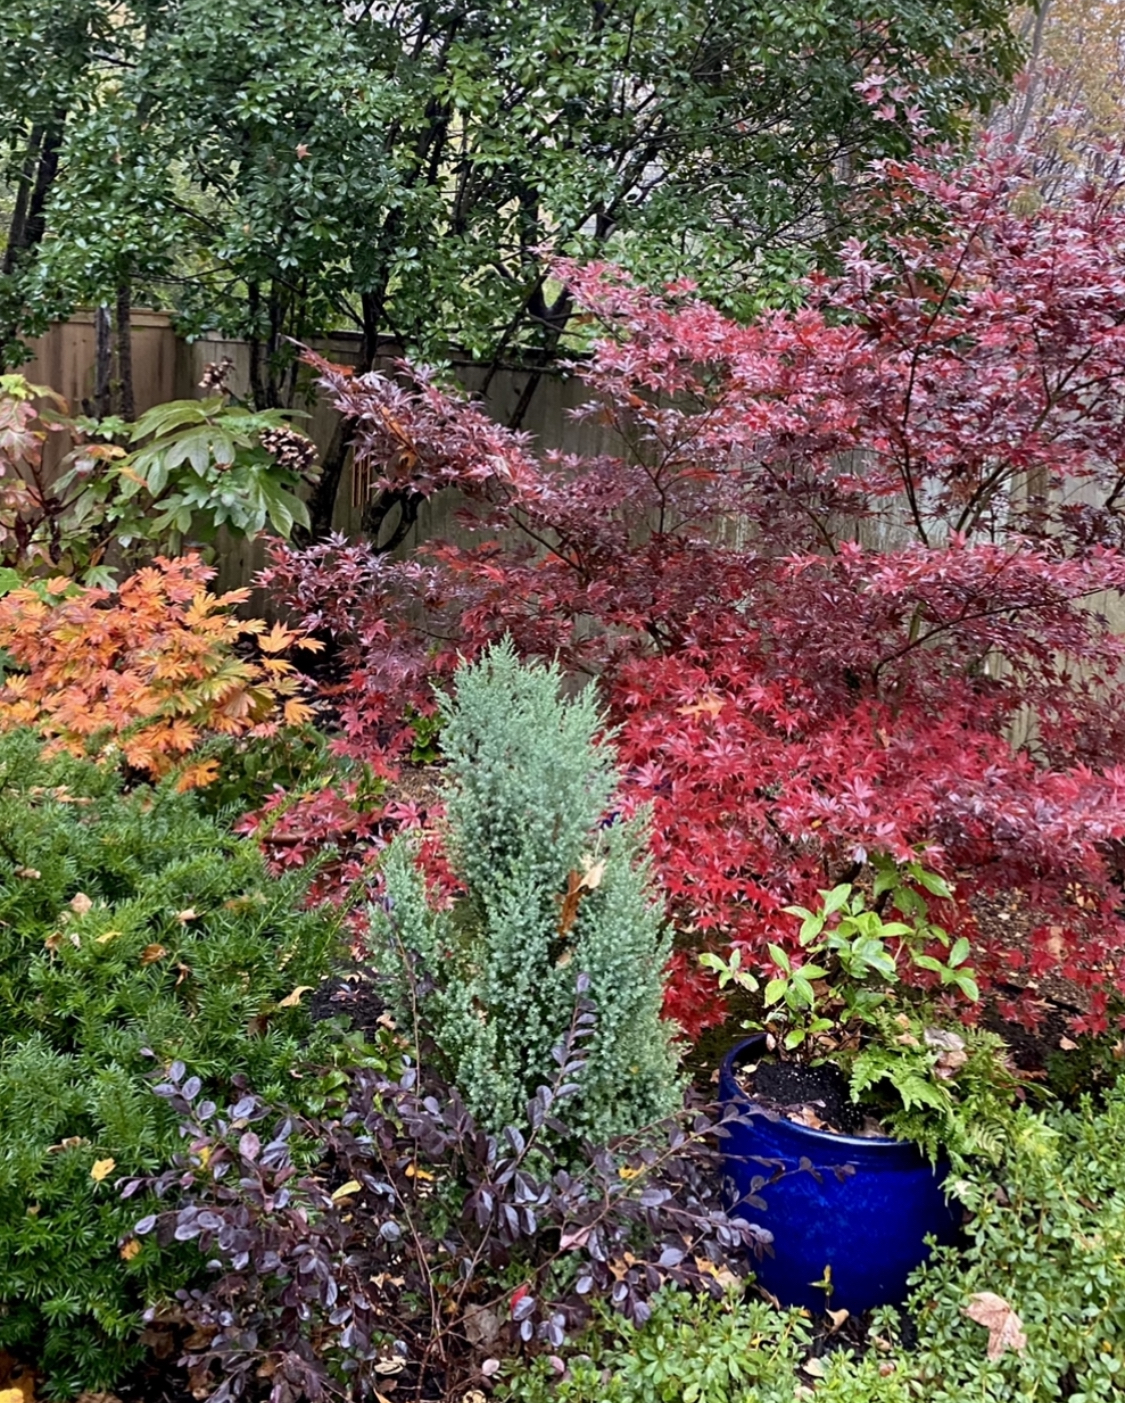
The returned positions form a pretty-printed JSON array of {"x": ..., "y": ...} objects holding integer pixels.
[
  {"x": 135, "y": 930},
  {"x": 1029, "y": 1309},
  {"x": 551, "y": 888},
  {"x": 1047, "y": 1235}
]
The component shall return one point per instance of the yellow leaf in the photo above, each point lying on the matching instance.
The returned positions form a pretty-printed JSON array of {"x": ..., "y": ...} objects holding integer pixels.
[
  {"x": 70, "y": 1143},
  {"x": 293, "y": 999},
  {"x": 592, "y": 873},
  {"x": 276, "y": 641},
  {"x": 723, "y": 1275},
  {"x": 297, "y": 713},
  {"x": 627, "y": 1173},
  {"x": 130, "y": 1249},
  {"x": 109, "y": 935},
  {"x": 353, "y": 1186},
  {"x": 413, "y": 1172},
  {"x": 102, "y": 1169}
]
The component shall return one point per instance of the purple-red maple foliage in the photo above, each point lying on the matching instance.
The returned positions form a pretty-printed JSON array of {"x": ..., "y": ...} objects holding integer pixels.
[{"x": 842, "y": 573}]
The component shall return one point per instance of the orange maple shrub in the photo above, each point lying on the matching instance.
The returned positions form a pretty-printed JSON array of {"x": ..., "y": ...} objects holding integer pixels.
[{"x": 147, "y": 672}]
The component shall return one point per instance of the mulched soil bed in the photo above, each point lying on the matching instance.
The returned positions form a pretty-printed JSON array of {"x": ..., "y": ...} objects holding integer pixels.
[{"x": 354, "y": 995}]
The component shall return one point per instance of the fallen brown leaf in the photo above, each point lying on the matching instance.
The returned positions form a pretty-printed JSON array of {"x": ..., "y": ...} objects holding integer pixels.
[{"x": 1005, "y": 1328}]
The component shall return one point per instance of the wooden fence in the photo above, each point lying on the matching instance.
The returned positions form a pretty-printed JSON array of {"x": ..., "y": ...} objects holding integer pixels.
[{"x": 167, "y": 367}]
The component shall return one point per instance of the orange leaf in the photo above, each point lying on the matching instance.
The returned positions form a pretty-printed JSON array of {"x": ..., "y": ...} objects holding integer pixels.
[
  {"x": 198, "y": 776},
  {"x": 568, "y": 902}
]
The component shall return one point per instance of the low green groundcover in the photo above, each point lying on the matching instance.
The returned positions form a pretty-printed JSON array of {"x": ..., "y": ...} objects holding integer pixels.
[{"x": 1030, "y": 1310}]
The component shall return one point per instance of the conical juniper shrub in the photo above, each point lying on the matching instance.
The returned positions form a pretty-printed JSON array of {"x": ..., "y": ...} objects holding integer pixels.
[
  {"x": 135, "y": 931},
  {"x": 551, "y": 883}
]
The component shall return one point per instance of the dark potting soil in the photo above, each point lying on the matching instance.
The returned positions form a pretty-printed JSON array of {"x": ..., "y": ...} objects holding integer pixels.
[
  {"x": 353, "y": 995},
  {"x": 1031, "y": 1049},
  {"x": 807, "y": 1094}
]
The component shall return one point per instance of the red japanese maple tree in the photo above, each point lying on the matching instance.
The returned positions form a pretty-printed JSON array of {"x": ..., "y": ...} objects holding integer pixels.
[{"x": 843, "y": 576}]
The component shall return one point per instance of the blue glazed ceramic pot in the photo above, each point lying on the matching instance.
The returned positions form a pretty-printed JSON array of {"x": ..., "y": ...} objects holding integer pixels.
[{"x": 868, "y": 1223}]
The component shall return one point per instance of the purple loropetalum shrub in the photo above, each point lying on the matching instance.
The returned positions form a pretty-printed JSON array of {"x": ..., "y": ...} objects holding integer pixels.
[{"x": 412, "y": 1246}]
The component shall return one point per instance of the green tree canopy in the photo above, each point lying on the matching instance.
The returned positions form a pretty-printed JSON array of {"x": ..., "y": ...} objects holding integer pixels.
[{"x": 279, "y": 169}]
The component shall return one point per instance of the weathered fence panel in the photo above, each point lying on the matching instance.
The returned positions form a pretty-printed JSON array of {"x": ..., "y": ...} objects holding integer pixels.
[{"x": 167, "y": 367}]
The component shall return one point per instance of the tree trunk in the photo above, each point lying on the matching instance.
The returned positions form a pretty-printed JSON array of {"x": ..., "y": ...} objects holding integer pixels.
[
  {"x": 29, "y": 214},
  {"x": 36, "y": 224},
  {"x": 257, "y": 386},
  {"x": 103, "y": 361},
  {"x": 126, "y": 399},
  {"x": 322, "y": 503},
  {"x": 17, "y": 229}
]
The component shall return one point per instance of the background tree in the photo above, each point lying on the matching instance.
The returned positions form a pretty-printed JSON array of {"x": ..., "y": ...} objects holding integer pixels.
[
  {"x": 285, "y": 168},
  {"x": 47, "y": 57},
  {"x": 1066, "y": 108},
  {"x": 847, "y": 583}
]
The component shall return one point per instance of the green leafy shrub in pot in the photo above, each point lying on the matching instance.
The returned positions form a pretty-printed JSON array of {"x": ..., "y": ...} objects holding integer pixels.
[
  {"x": 841, "y": 998},
  {"x": 547, "y": 888},
  {"x": 134, "y": 930}
]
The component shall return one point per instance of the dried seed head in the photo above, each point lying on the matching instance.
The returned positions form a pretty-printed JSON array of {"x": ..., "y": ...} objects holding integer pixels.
[
  {"x": 289, "y": 449},
  {"x": 216, "y": 374}
]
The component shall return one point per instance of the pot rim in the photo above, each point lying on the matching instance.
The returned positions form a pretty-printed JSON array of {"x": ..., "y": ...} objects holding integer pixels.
[{"x": 872, "y": 1144}]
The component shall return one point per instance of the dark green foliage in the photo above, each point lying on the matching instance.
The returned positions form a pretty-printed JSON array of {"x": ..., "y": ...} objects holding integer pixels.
[
  {"x": 295, "y": 760},
  {"x": 1093, "y": 1065},
  {"x": 1048, "y": 1235},
  {"x": 692, "y": 1350},
  {"x": 134, "y": 930}
]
